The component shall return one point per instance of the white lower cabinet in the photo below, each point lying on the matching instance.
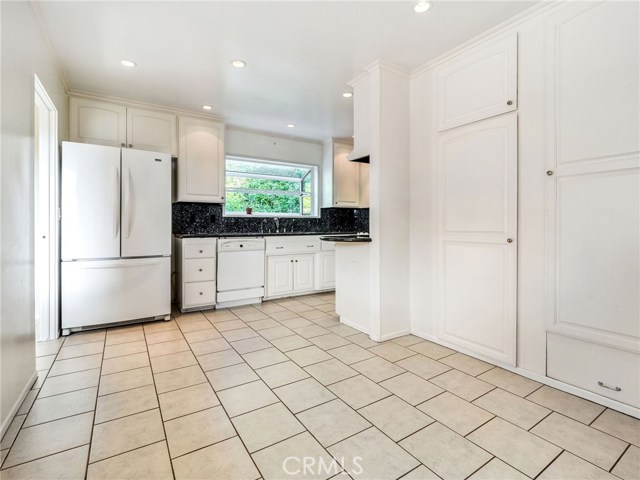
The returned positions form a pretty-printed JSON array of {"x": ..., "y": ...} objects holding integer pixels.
[
  {"x": 607, "y": 371},
  {"x": 298, "y": 265},
  {"x": 289, "y": 274},
  {"x": 196, "y": 273}
]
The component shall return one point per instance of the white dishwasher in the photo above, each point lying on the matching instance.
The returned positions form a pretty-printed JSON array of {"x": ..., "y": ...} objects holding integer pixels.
[{"x": 240, "y": 271}]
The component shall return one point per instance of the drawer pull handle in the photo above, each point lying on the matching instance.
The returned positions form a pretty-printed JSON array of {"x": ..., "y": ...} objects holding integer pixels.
[
  {"x": 615, "y": 389},
  {"x": 200, "y": 251},
  {"x": 199, "y": 269},
  {"x": 200, "y": 293},
  {"x": 279, "y": 248},
  {"x": 310, "y": 246}
]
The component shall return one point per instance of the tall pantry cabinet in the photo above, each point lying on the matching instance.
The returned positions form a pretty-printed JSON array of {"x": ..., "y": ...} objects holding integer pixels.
[{"x": 593, "y": 204}]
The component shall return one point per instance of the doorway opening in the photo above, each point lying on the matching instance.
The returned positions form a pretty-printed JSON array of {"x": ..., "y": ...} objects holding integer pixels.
[{"x": 46, "y": 243}]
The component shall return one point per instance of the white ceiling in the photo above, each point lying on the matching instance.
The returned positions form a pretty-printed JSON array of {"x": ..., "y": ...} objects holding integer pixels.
[{"x": 299, "y": 54}]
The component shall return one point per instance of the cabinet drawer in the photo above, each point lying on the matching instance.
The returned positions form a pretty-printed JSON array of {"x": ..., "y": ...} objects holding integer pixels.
[
  {"x": 584, "y": 364},
  {"x": 288, "y": 246},
  {"x": 199, "y": 269},
  {"x": 200, "y": 250},
  {"x": 199, "y": 293}
]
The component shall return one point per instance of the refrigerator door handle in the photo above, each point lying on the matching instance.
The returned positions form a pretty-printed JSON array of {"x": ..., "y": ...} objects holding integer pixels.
[
  {"x": 127, "y": 203},
  {"x": 116, "y": 202}
]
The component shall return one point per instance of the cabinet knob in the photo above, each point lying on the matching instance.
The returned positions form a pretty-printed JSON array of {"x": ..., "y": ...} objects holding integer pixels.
[
  {"x": 296, "y": 261},
  {"x": 509, "y": 102},
  {"x": 549, "y": 173},
  {"x": 130, "y": 146},
  {"x": 123, "y": 144},
  {"x": 291, "y": 261},
  {"x": 200, "y": 251},
  {"x": 200, "y": 293},
  {"x": 509, "y": 240},
  {"x": 199, "y": 269}
]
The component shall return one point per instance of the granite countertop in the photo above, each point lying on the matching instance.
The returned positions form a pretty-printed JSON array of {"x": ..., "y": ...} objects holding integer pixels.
[
  {"x": 257, "y": 234},
  {"x": 351, "y": 238}
]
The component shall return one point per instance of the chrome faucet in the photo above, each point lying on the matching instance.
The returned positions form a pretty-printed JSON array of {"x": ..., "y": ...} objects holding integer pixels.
[
  {"x": 277, "y": 220},
  {"x": 264, "y": 220}
]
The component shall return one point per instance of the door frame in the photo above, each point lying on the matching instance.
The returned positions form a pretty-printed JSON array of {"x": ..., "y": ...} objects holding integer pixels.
[{"x": 50, "y": 326}]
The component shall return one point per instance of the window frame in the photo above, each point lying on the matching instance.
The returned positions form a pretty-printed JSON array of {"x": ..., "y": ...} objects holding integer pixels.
[{"x": 314, "y": 171}]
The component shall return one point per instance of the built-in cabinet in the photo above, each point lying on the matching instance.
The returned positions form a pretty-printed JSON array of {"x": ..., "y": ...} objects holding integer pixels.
[
  {"x": 298, "y": 265},
  {"x": 120, "y": 125},
  {"x": 480, "y": 83},
  {"x": 476, "y": 196},
  {"x": 593, "y": 200},
  {"x": 196, "y": 273},
  {"x": 200, "y": 173}
]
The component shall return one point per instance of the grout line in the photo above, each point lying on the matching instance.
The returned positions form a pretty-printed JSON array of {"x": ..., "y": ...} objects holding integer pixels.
[
  {"x": 95, "y": 406},
  {"x": 546, "y": 466},
  {"x": 597, "y": 417},
  {"x": 40, "y": 458},
  {"x": 129, "y": 451},
  {"x": 619, "y": 458},
  {"x": 164, "y": 431}
]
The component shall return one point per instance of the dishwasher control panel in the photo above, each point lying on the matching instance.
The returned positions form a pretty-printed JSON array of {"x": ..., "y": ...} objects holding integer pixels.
[{"x": 240, "y": 244}]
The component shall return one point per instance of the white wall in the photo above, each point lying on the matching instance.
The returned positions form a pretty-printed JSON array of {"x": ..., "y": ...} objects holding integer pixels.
[{"x": 24, "y": 53}]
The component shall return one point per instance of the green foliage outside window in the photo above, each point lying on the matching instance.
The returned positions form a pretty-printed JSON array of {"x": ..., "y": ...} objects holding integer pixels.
[{"x": 268, "y": 188}]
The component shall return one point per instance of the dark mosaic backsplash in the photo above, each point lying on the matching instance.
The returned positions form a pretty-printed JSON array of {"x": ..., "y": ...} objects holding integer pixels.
[{"x": 207, "y": 218}]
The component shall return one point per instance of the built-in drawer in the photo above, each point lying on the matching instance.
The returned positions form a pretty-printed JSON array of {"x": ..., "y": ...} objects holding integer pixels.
[
  {"x": 200, "y": 250},
  {"x": 199, "y": 293},
  {"x": 199, "y": 269},
  {"x": 607, "y": 371},
  {"x": 292, "y": 245}
]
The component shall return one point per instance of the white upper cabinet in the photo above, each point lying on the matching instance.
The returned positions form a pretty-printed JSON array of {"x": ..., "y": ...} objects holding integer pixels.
[
  {"x": 118, "y": 125},
  {"x": 101, "y": 123},
  {"x": 200, "y": 176},
  {"x": 346, "y": 177},
  {"x": 152, "y": 130},
  {"x": 480, "y": 83}
]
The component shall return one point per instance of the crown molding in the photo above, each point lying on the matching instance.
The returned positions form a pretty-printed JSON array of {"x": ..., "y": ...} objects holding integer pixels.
[{"x": 44, "y": 30}]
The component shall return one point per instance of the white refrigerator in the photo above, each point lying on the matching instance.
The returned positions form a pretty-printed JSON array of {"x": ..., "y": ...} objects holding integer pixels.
[{"x": 115, "y": 235}]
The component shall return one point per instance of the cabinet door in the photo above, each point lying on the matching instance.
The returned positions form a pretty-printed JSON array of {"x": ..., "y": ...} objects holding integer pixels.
[
  {"x": 479, "y": 84},
  {"x": 325, "y": 270},
  {"x": 152, "y": 130},
  {"x": 302, "y": 273},
  {"x": 477, "y": 223},
  {"x": 346, "y": 177},
  {"x": 102, "y": 123},
  {"x": 279, "y": 275},
  {"x": 593, "y": 199},
  {"x": 200, "y": 161}
]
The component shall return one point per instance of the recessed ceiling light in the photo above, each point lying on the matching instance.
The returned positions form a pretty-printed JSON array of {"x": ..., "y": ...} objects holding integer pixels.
[
  {"x": 128, "y": 63},
  {"x": 422, "y": 6},
  {"x": 207, "y": 107},
  {"x": 347, "y": 94},
  {"x": 239, "y": 63},
  {"x": 291, "y": 125}
]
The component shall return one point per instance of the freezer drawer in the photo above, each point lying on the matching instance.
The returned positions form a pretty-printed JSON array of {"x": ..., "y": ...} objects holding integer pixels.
[{"x": 109, "y": 291}]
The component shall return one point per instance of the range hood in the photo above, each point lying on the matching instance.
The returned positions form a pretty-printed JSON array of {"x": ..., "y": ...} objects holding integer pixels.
[{"x": 358, "y": 157}]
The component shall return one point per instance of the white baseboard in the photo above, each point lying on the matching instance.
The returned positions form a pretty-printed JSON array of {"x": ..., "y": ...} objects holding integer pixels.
[
  {"x": 16, "y": 406},
  {"x": 399, "y": 333},
  {"x": 351, "y": 324},
  {"x": 565, "y": 387}
]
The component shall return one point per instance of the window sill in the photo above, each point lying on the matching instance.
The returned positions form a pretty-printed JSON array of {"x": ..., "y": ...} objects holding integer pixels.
[{"x": 267, "y": 215}]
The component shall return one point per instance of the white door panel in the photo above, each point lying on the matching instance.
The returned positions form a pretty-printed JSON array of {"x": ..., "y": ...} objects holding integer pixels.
[
  {"x": 279, "y": 275},
  {"x": 90, "y": 201},
  {"x": 146, "y": 203},
  {"x": 480, "y": 84},
  {"x": 152, "y": 130},
  {"x": 108, "y": 291},
  {"x": 477, "y": 225},
  {"x": 303, "y": 272}
]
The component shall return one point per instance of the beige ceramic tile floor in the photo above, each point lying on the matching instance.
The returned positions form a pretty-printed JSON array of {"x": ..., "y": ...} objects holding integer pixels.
[{"x": 247, "y": 392}]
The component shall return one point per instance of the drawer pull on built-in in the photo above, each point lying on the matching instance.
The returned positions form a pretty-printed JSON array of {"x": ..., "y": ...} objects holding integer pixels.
[
  {"x": 201, "y": 251},
  {"x": 615, "y": 389},
  {"x": 199, "y": 269},
  {"x": 279, "y": 248},
  {"x": 200, "y": 293},
  {"x": 310, "y": 246}
]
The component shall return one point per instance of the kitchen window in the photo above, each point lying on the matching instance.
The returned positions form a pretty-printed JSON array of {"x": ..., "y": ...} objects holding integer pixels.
[{"x": 270, "y": 188}]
